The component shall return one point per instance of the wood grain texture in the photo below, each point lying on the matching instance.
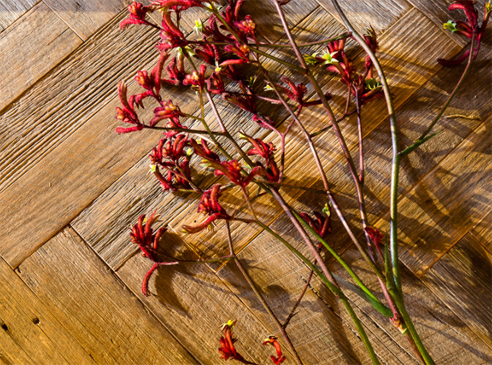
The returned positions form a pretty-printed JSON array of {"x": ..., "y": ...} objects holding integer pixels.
[
  {"x": 29, "y": 333},
  {"x": 38, "y": 35},
  {"x": 193, "y": 303},
  {"x": 483, "y": 233},
  {"x": 379, "y": 15},
  {"x": 10, "y": 11},
  {"x": 52, "y": 110},
  {"x": 87, "y": 16},
  {"x": 444, "y": 333},
  {"x": 281, "y": 277},
  {"x": 94, "y": 306},
  {"x": 462, "y": 279},
  {"x": 436, "y": 203}
]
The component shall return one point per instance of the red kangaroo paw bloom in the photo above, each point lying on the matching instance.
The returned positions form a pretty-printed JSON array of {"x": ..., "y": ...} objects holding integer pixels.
[
  {"x": 203, "y": 151},
  {"x": 266, "y": 151},
  {"x": 168, "y": 110},
  {"x": 232, "y": 169},
  {"x": 196, "y": 78},
  {"x": 246, "y": 27},
  {"x": 227, "y": 350},
  {"x": 142, "y": 235},
  {"x": 127, "y": 112},
  {"x": 371, "y": 40},
  {"x": 175, "y": 71},
  {"x": 468, "y": 28},
  {"x": 272, "y": 340},
  {"x": 138, "y": 13},
  {"x": 209, "y": 205},
  {"x": 240, "y": 50},
  {"x": 321, "y": 223}
]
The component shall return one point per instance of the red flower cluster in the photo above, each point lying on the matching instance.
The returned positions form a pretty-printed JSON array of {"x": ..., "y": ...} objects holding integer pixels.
[
  {"x": 209, "y": 204},
  {"x": 171, "y": 156},
  {"x": 469, "y": 29},
  {"x": 321, "y": 223},
  {"x": 227, "y": 350},
  {"x": 143, "y": 236},
  {"x": 266, "y": 151}
]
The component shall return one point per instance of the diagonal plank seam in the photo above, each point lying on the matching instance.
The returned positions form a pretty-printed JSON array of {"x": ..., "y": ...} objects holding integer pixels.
[{"x": 71, "y": 28}]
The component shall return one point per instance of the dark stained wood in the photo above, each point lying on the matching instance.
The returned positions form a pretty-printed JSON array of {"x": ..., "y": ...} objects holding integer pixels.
[
  {"x": 37, "y": 35},
  {"x": 10, "y": 11},
  {"x": 94, "y": 306},
  {"x": 462, "y": 279},
  {"x": 29, "y": 333}
]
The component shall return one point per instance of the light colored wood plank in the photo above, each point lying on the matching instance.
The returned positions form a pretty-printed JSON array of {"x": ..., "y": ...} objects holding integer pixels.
[
  {"x": 30, "y": 333},
  {"x": 92, "y": 304},
  {"x": 379, "y": 15},
  {"x": 121, "y": 204},
  {"x": 31, "y": 47},
  {"x": 483, "y": 233},
  {"x": 193, "y": 303},
  {"x": 87, "y": 16},
  {"x": 10, "y": 11},
  {"x": 462, "y": 279},
  {"x": 74, "y": 91}
]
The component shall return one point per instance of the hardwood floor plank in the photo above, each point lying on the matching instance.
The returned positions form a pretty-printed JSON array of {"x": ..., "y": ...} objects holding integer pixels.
[
  {"x": 87, "y": 16},
  {"x": 462, "y": 279},
  {"x": 31, "y": 47},
  {"x": 193, "y": 302},
  {"x": 483, "y": 233},
  {"x": 281, "y": 277},
  {"x": 379, "y": 15},
  {"x": 30, "y": 333},
  {"x": 10, "y": 11},
  {"x": 93, "y": 305},
  {"x": 444, "y": 333}
]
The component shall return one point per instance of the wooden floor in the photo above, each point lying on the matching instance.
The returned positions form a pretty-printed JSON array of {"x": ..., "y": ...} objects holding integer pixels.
[{"x": 70, "y": 188}]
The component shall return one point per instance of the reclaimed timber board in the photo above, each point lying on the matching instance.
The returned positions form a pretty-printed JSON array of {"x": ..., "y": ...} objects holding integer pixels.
[
  {"x": 462, "y": 279},
  {"x": 444, "y": 333},
  {"x": 10, "y": 11},
  {"x": 29, "y": 333},
  {"x": 95, "y": 307},
  {"x": 483, "y": 233},
  {"x": 85, "y": 17},
  {"x": 365, "y": 14},
  {"x": 31, "y": 47},
  {"x": 281, "y": 277},
  {"x": 445, "y": 205}
]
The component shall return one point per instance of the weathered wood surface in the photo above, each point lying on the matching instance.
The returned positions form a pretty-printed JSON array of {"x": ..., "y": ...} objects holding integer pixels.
[
  {"x": 30, "y": 333},
  {"x": 59, "y": 153},
  {"x": 108, "y": 321},
  {"x": 10, "y": 11},
  {"x": 30, "y": 48}
]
